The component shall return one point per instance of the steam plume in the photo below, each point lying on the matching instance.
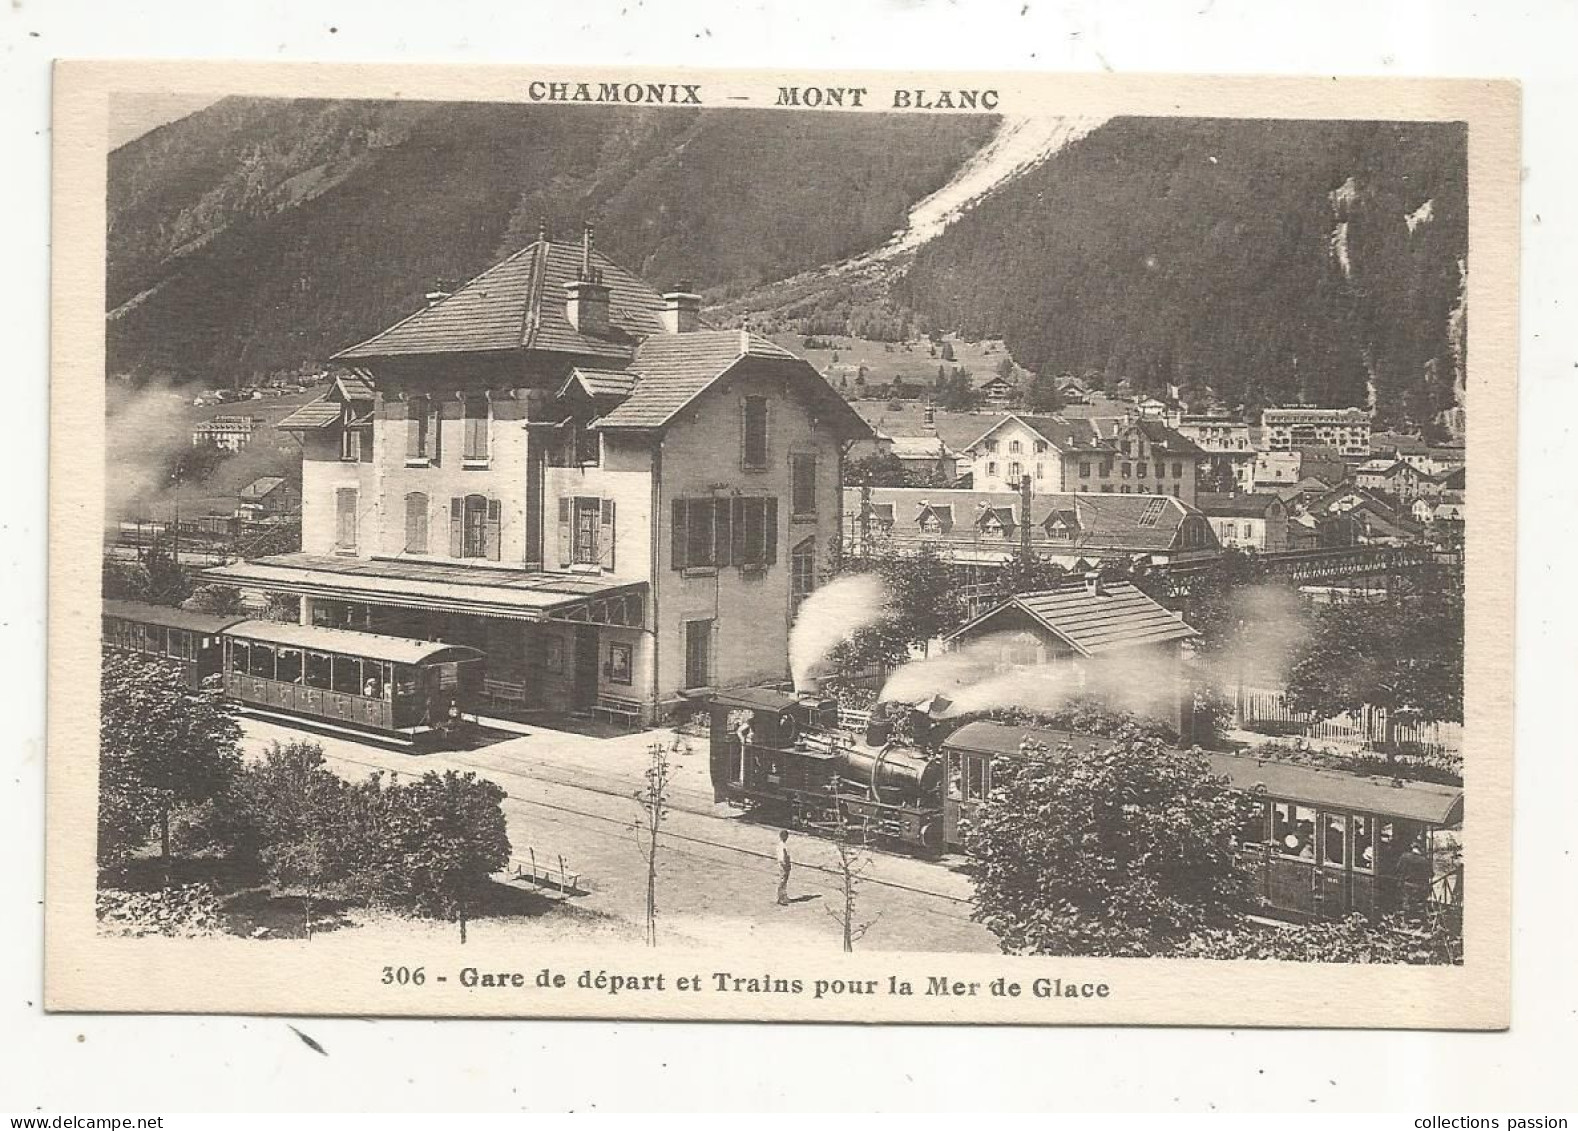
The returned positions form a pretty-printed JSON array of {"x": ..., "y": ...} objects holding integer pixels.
[{"x": 831, "y": 614}]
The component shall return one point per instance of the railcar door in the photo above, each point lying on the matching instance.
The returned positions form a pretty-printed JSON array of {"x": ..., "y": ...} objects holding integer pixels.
[
  {"x": 1291, "y": 882},
  {"x": 1331, "y": 878},
  {"x": 968, "y": 780}
]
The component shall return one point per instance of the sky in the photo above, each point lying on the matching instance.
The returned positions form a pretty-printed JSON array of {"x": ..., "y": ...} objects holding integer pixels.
[{"x": 132, "y": 115}]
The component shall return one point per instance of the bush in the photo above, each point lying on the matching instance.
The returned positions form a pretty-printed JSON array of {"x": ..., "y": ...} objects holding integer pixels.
[
  {"x": 1353, "y": 940},
  {"x": 1114, "y": 851}
]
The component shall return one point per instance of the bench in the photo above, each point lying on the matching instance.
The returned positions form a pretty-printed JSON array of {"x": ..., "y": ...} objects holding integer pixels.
[
  {"x": 547, "y": 874},
  {"x": 619, "y": 708},
  {"x": 505, "y": 690}
]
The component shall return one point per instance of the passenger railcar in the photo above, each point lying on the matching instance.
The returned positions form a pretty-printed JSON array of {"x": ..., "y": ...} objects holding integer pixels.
[
  {"x": 395, "y": 687},
  {"x": 190, "y": 640},
  {"x": 389, "y": 684},
  {"x": 1320, "y": 843}
]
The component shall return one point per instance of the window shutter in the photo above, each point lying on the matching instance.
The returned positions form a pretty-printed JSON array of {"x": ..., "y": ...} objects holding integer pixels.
[
  {"x": 677, "y": 536},
  {"x": 740, "y": 551},
  {"x": 606, "y": 535},
  {"x": 457, "y": 523},
  {"x": 565, "y": 533},
  {"x": 435, "y": 431},
  {"x": 415, "y": 421},
  {"x": 722, "y": 531},
  {"x": 416, "y": 523},
  {"x": 490, "y": 532},
  {"x": 771, "y": 522}
]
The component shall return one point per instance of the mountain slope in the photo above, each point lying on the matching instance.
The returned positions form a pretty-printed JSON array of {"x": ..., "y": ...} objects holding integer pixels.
[
  {"x": 1271, "y": 260},
  {"x": 261, "y": 234}
]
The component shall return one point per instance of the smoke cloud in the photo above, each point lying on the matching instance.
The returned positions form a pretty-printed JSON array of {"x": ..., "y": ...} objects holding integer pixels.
[
  {"x": 143, "y": 435},
  {"x": 832, "y": 614},
  {"x": 976, "y": 678}
]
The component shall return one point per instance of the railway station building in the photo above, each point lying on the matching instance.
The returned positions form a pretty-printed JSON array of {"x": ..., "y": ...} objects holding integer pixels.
[{"x": 563, "y": 467}]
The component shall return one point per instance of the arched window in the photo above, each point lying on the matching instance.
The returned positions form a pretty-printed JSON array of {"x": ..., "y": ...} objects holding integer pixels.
[
  {"x": 802, "y": 573},
  {"x": 416, "y": 523},
  {"x": 474, "y": 527}
]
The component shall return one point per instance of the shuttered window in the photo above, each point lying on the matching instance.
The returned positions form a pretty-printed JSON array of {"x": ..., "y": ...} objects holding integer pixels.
[
  {"x": 345, "y": 503},
  {"x": 740, "y": 531},
  {"x": 474, "y": 527},
  {"x": 422, "y": 428},
  {"x": 802, "y": 484},
  {"x": 416, "y": 523},
  {"x": 476, "y": 433},
  {"x": 753, "y": 433}
]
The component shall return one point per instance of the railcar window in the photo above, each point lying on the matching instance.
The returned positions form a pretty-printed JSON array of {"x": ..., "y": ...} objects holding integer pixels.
[
  {"x": 262, "y": 664},
  {"x": 975, "y": 779},
  {"x": 317, "y": 671},
  {"x": 955, "y": 777},
  {"x": 1294, "y": 830},
  {"x": 347, "y": 675},
  {"x": 288, "y": 665},
  {"x": 1363, "y": 843},
  {"x": 1334, "y": 837},
  {"x": 1253, "y": 830},
  {"x": 240, "y": 656},
  {"x": 405, "y": 681}
]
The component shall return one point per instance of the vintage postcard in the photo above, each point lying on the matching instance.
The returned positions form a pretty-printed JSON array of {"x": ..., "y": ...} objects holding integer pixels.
[{"x": 988, "y": 548}]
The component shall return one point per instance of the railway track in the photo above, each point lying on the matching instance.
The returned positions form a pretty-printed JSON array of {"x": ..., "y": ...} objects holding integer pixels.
[{"x": 754, "y": 855}]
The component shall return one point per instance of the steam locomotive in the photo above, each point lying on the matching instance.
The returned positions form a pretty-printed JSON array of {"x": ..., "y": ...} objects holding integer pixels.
[{"x": 1320, "y": 842}]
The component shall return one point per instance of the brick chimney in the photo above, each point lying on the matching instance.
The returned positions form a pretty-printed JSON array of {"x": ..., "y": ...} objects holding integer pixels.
[
  {"x": 586, "y": 299},
  {"x": 681, "y": 310}
]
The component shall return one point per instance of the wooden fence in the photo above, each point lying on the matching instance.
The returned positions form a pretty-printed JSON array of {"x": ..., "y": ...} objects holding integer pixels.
[{"x": 1262, "y": 710}]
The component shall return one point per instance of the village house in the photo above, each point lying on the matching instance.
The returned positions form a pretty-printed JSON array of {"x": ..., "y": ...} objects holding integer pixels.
[
  {"x": 1428, "y": 459},
  {"x": 1094, "y": 636},
  {"x": 1392, "y": 477},
  {"x": 232, "y": 433},
  {"x": 269, "y": 495},
  {"x": 1228, "y": 447},
  {"x": 1112, "y": 455},
  {"x": 563, "y": 467},
  {"x": 983, "y": 528},
  {"x": 1289, "y": 429},
  {"x": 1247, "y": 522},
  {"x": 926, "y": 457}
]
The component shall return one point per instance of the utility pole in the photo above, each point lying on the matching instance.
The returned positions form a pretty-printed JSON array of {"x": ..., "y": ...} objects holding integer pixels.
[{"x": 1025, "y": 556}]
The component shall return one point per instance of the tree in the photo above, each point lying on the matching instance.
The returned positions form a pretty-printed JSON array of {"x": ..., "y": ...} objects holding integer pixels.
[
  {"x": 161, "y": 745},
  {"x": 125, "y": 581},
  {"x": 955, "y": 393},
  {"x": 288, "y": 812},
  {"x": 284, "y": 607},
  {"x": 1041, "y": 393},
  {"x": 1121, "y": 850},
  {"x": 880, "y": 469},
  {"x": 1402, "y": 654},
  {"x": 923, "y": 604},
  {"x": 653, "y": 799},
  {"x": 853, "y": 863},
  {"x": 167, "y": 583},
  {"x": 221, "y": 600},
  {"x": 438, "y": 842}
]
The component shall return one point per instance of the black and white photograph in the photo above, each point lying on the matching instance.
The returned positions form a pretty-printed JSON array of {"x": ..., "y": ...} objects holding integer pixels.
[{"x": 881, "y": 528}]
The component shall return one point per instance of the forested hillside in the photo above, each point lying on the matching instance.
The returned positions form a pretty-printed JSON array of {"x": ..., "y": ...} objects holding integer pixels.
[
  {"x": 260, "y": 234},
  {"x": 1272, "y": 261}
]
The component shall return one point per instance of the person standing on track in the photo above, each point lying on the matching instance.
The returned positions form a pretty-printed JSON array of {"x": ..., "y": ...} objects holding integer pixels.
[{"x": 784, "y": 864}]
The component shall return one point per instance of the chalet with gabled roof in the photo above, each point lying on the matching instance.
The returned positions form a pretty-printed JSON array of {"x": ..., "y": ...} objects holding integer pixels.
[{"x": 564, "y": 467}]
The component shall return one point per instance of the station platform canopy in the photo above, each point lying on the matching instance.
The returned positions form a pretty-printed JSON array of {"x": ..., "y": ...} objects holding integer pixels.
[{"x": 527, "y": 595}]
